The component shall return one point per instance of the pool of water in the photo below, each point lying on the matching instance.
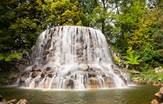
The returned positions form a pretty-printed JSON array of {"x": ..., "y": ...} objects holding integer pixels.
[{"x": 132, "y": 95}]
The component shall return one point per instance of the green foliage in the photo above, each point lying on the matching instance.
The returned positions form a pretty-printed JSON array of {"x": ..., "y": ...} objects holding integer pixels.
[
  {"x": 62, "y": 12},
  {"x": 19, "y": 28},
  {"x": 22, "y": 21},
  {"x": 10, "y": 57},
  {"x": 116, "y": 59},
  {"x": 138, "y": 34},
  {"x": 132, "y": 59},
  {"x": 152, "y": 76}
]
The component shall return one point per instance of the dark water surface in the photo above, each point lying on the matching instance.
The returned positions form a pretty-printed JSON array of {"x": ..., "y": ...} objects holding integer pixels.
[{"x": 133, "y": 95}]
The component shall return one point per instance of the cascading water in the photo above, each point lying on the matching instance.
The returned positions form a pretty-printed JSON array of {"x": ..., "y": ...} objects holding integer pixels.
[{"x": 72, "y": 57}]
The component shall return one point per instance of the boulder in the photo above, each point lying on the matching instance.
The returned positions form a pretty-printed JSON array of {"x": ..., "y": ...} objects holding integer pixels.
[
  {"x": 48, "y": 69},
  {"x": 34, "y": 74},
  {"x": 70, "y": 83},
  {"x": 3, "y": 101},
  {"x": 42, "y": 75},
  {"x": 159, "y": 97},
  {"x": 50, "y": 75},
  {"x": 22, "y": 101},
  {"x": 93, "y": 83},
  {"x": 154, "y": 101}
]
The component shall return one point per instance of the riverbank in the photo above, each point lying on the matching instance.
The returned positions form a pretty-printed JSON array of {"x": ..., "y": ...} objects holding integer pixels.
[
  {"x": 153, "y": 77},
  {"x": 143, "y": 82}
]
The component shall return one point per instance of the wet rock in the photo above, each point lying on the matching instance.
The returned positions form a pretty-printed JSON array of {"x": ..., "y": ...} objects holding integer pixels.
[
  {"x": 50, "y": 75},
  {"x": 46, "y": 52},
  {"x": 47, "y": 72},
  {"x": 109, "y": 82},
  {"x": 103, "y": 75},
  {"x": 51, "y": 71},
  {"x": 91, "y": 74},
  {"x": 37, "y": 70},
  {"x": 70, "y": 83},
  {"x": 48, "y": 69},
  {"x": 159, "y": 97},
  {"x": 42, "y": 75},
  {"x": 34, "y": 74},
  {"x": 90, "y": 69},
  {"x": 44, "y": 57},
  {"x": 93, "y": 83},
  {"x": 154, "y": 101},
  {"x": 34, "y": 67},
  {"x": 138, "y": 80},
  {"x": 160, "y": 93},
  {"x": 25, "y": 74},
  {"x": 22, "y": 101},
  {"x": 21, "y": 81},
  {"x": 3, "y": 101}
]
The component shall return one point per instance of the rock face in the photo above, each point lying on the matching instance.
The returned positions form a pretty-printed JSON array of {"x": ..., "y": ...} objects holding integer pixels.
[
  {"x": 159, "y": 97},
  {"x": 72, "y": 57}
]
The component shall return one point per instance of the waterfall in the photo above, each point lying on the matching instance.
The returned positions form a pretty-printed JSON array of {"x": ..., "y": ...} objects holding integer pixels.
[{"x": 72, "y": 57}]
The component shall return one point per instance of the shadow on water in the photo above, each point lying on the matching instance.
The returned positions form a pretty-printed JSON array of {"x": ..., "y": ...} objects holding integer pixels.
[{"x": 133, "y": 95}]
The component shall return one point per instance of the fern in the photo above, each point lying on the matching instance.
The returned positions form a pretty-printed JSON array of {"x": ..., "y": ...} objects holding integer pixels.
[{"x": 132, "y": 59}]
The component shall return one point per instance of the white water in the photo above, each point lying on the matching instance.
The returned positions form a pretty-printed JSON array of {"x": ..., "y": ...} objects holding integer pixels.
[{"x": 72, "y": 57}]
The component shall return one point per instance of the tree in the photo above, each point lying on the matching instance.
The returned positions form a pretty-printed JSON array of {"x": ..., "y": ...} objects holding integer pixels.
[
  {"x": 21, "y": 22},
  {"x": 61, "y": 12},
  {"x": 134, "y": 30}
]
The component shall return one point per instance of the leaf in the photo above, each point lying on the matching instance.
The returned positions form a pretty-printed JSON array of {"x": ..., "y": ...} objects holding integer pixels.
[
  {"x": 132, "y": 59},
  {"x": 2, "y": 56}
]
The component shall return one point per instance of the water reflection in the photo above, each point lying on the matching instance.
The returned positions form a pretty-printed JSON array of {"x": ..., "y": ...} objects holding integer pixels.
[{"x": 134, "y": 95}]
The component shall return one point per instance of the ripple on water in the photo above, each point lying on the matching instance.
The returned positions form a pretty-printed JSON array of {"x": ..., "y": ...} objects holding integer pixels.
[{"x": 132, "y": 95}]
